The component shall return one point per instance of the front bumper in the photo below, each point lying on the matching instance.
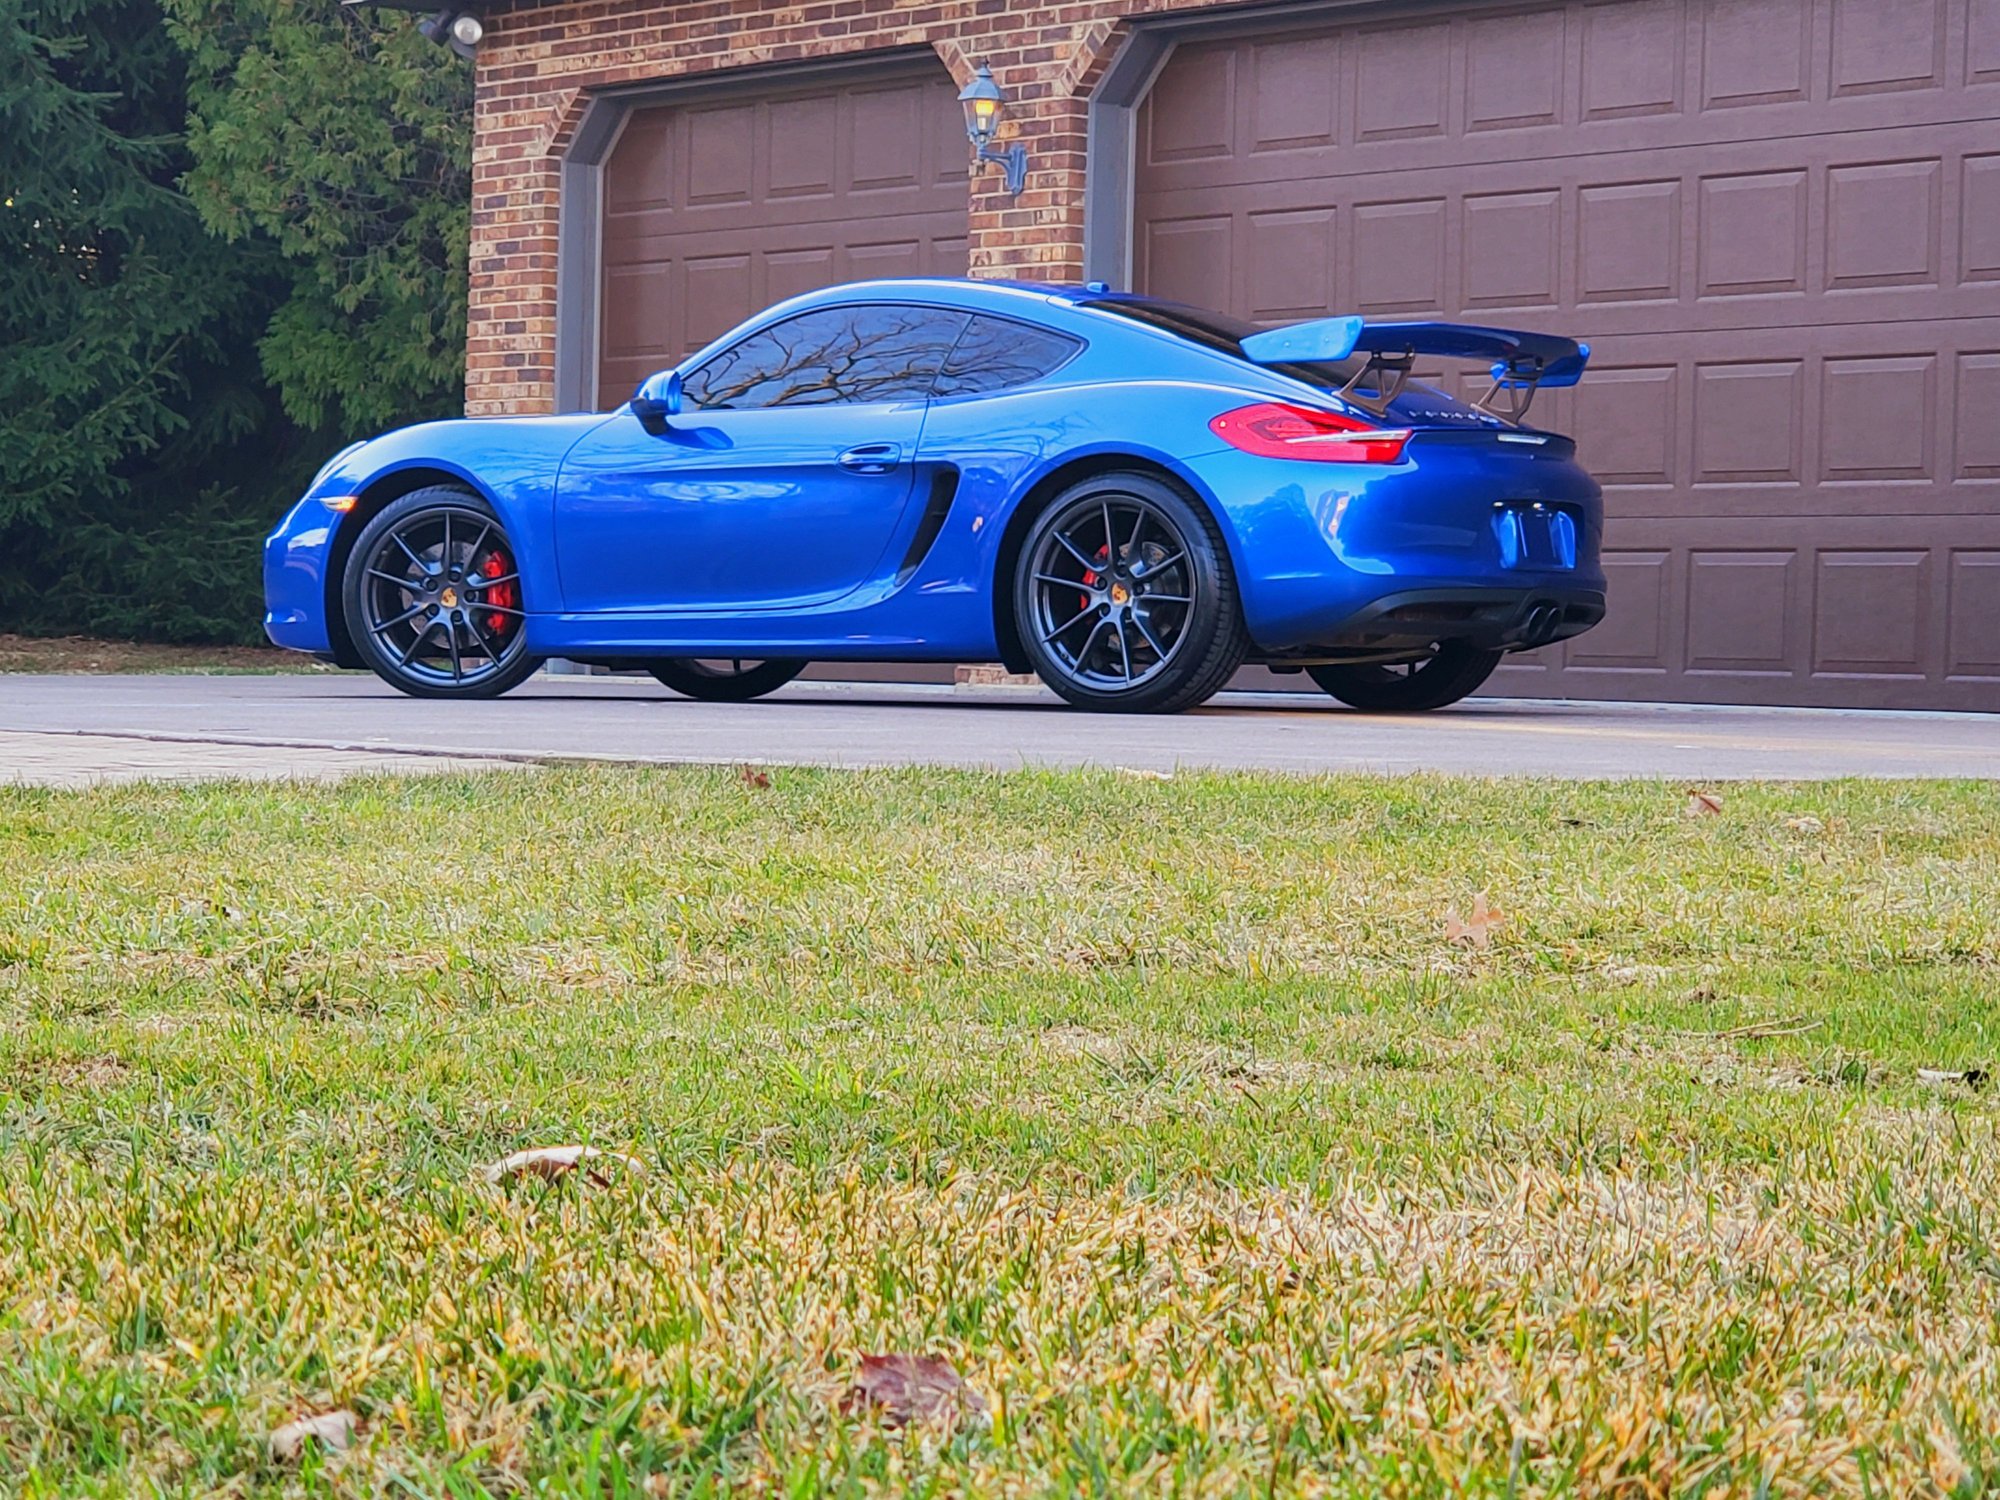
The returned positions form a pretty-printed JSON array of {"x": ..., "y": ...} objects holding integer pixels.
[{"x": 296, "y": 558}]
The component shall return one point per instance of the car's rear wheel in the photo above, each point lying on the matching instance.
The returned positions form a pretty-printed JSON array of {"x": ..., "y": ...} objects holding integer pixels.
[
  {"x": 725, "y": 679},
  {"x": 1443, "y": 678},
  {"x": 1125, "y": 600},
  {"x": 433, "y": 597}
]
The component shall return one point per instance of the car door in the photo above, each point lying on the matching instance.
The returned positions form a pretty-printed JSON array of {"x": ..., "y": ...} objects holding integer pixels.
[{"x": 781, "y": 483}]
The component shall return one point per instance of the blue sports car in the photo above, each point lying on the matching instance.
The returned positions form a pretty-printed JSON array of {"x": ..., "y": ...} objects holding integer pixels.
[{"x": 1128, "y": 496}]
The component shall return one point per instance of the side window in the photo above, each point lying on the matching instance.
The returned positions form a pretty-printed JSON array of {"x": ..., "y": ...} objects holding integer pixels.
[
  {"x": 875, "y": 352},
  {"x": 997, "y": 354}
]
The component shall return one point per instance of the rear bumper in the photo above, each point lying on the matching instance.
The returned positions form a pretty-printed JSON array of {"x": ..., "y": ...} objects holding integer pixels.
[
  {"x": 1381, "y": 556},
  {"x": 1505, "y": 619}
]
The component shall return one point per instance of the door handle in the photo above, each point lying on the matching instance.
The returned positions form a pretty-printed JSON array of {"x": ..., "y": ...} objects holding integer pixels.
[{"x": 871, "y": 458}]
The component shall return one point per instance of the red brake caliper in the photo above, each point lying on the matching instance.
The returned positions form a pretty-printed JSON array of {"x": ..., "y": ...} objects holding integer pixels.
[
  {"x": 504, "y": 595},
  {"x": 1090, "y": 576}
]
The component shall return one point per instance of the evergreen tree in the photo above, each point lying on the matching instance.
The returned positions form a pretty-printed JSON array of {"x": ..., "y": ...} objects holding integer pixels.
[
  {"x": 126, "y": 400},
  {"x": 343, "y": 137}
]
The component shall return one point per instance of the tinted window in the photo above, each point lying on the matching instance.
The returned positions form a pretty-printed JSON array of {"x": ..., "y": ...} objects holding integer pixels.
[
  {"x": 1219, "y": 331},
  {"x": 878, "y": 352},
  {"x": 997, "y": 354}
]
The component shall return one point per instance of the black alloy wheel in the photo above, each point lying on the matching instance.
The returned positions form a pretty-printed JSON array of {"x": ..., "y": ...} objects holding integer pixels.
[
  {"x": 724, "y": 679},
  {"x": 1455, "y": 670},
  {"x": 433, "y": 597},
  {"x": 1125, "y": 600}
]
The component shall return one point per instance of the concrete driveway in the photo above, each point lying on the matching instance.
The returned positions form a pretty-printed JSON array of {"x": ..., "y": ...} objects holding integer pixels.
[{"x": 70, "y": 729}]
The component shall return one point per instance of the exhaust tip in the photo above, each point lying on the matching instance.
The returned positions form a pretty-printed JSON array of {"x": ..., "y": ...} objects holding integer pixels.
[{"x": 1542, "y": 623}]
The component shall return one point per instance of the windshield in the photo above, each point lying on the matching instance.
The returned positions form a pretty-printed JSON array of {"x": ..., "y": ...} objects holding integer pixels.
[{"x": 1219, "y": 331}]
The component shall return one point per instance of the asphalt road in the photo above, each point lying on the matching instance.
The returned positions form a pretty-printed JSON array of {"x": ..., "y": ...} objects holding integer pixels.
[{"x": 626, "y": 719}]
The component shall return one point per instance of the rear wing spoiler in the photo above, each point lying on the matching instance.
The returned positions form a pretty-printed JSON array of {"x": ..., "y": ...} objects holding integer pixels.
[{"x": 1522, "y": 363}]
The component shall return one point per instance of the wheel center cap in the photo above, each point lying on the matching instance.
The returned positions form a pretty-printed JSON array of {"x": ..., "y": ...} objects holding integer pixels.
[
  {"x": 1120, "y": 594},
  {"x": 449, "y": 598}
]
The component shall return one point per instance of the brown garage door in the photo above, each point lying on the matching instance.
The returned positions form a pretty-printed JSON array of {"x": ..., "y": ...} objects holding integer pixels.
[
  {"x": 1778, "y": 223},
  {"x": 716, "y": 208}
]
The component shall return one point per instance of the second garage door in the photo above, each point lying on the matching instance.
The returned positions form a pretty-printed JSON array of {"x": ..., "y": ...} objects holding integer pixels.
[
  {"x": 1777, "y": 221},
  {"x": 718, "y": 207}
]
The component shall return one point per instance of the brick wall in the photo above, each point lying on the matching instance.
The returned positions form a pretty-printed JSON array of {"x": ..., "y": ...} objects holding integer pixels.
[{"x": 539, "y": 63}]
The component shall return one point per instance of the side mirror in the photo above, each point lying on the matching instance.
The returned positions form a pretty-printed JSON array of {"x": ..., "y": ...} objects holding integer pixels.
[{"x": 657, "y": 399}]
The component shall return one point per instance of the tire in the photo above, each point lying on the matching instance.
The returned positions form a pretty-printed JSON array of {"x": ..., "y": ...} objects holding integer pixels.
[
  {"x": 1125, "y": 600},
  {"x": 740, "y": 680},
  {"x": 1456, "y": 670},
  {"x": 410, "y": 611}
]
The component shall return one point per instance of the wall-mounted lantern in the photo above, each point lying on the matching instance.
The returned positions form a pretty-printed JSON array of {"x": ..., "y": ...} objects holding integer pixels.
[{"x": 984, "y": 104}]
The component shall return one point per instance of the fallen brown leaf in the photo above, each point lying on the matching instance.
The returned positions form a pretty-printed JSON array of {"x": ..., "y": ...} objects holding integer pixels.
[
  {"x": 753, "y": 778},
  {"x": 1476, "y": 929},
  {"x": 913, "y": 1388},
  {"x": 1702, "y": 804},
  {"x": 332, "y": 1430},
  {"x": 553, "y": 1162},
  {"x": 1806, "y": 824}
]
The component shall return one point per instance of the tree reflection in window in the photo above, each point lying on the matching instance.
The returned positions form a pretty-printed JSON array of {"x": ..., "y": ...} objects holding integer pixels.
[
  {"x": 998, "y": 354},
  {"x": 876, "y": 352}
]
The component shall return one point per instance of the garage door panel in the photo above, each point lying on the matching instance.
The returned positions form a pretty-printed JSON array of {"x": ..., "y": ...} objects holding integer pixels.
[
  {"x": 1972, "y": 602},
  {"x": 1982, "y": 63},
  {"x": 720, "y": 163},
  {"x": 1979, "y": 211},
  {"x": 1400, "y": 257},
  {"x": 1516, "y": 70},
  {"x": 1402, "y": 83},
  {"x": 1628, "y": 240},
  {"x": 1295, "y": 96},
  {"x": 801, "y": 139},
  {"x": 1872, "y": 612},
  {"x": 1878, "y": 419},
  {"x": 714, "y": 209},
  {"x": 1634, "y": 60},
  {"x": 1292, "y": 263},
  {"x": 1764, "y": 217},
  {"x": 1976, "y": 428},
  {"x": 1882, "y": 224},
  {"x": 1636, "y": 636},
  {"x": 1755, "y": 52},
  {"x": 1880, "y": 46},
  {"x": 1741, "y": 614},
  {"x": 1194, "y": 112},
  {"x": 1184, "y": 256},
  {"x": 1511, "y": 251}
]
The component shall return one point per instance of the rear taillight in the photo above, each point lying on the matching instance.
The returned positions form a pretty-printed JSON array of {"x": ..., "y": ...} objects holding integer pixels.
[{"x": 1272, "y": 429}]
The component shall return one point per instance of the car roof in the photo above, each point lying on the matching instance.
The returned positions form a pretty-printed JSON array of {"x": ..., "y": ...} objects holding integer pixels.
[{"x": 952, "y": 291}]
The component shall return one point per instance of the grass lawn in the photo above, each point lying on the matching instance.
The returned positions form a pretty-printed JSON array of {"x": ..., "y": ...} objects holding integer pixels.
[{"x": 1164, "y": 1111}]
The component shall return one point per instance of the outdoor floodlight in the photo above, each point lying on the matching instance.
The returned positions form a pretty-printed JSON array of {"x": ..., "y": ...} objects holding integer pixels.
[
  {"x": 984, "y": 103},
  {"x": 458, "y": 30}
]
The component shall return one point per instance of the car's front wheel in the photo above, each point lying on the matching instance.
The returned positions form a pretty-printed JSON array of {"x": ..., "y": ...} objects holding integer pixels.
[
  {"x": 1455, "y": 670},
  {"x": 433, "y": 597},
  {"x": 1125, "y": 600},
  {"x": 723, "y": 680}
]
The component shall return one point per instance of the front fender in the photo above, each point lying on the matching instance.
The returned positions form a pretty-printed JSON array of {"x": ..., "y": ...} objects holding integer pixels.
[{"x": 510, "y": 462}]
